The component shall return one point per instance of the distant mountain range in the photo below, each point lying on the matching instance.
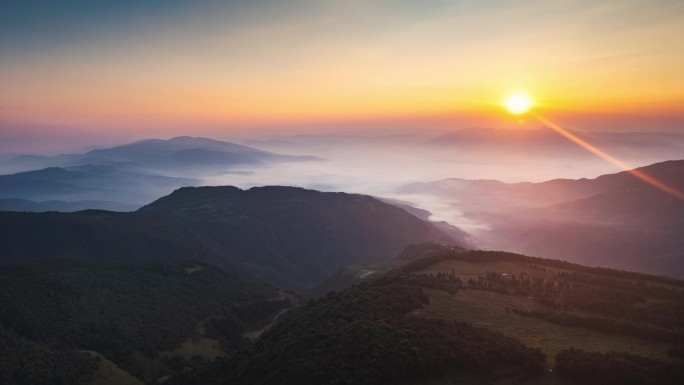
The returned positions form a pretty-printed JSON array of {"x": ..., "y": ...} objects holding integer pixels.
[
  {"x": 129, "y": 175},
  {"x": 136, "y": 173},
  {"x": 289, "y": 236},
  {"x": 89, "y": 183},
  {"x": 545, "y": 140},
  {"x": 56, "y": 205},
  {"x": 537, "y": 141},
  {"x": 614, "y": 220},
  {"x": 181, "y": 152}
]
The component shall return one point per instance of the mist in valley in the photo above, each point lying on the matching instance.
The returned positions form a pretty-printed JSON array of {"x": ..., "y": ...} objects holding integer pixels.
[
  {"x": 388, "y": 166},
  {"x": 528, "y": 190}
]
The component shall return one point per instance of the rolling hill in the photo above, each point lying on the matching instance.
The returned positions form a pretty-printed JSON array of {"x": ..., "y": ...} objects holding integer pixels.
[
  {"x": 447, "y": 316},
  {"x": 440, "y": 315}
]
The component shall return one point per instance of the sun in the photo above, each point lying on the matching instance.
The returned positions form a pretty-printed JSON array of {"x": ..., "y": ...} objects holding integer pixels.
[{"x": 518, "y": 103}]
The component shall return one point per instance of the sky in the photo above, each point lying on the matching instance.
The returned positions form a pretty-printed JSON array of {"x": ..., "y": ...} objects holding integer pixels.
[{"x": 98, "y": 71}]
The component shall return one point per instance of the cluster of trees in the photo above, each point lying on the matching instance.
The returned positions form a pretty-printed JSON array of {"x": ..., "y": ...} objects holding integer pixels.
[
  {"x": 620, "y": 308},
  {"x": 367, "y": 335},
  {"x": 631, "y": 285},
  {"x": 602, "y": 299},
  {"x": 445, "y": 281},
  {"x": 607, "y": 325},
  {"x": 431, "y": 255},
  {"x": 668, "y": 313},
  {"x": 520, "y": 284},
  {"x": 122, "y": 310},
  {"x": 620, "y": 302},
  {"x": 23, "y": 362},
  {"x": 617, "y": 368}
]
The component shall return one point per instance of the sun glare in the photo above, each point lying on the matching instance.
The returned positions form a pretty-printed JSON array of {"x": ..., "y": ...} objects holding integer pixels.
[{"x": 518, "y": 103}]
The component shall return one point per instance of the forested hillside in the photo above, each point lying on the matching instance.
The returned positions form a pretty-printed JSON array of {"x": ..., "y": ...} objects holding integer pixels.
[
  {"x": 368, "y": 335},
  {"x": 289, "y": 236},
  {"x": 474, "y": 317},
  {"x": 440, "y": 314},
  {"x": 142, "y": 316}
]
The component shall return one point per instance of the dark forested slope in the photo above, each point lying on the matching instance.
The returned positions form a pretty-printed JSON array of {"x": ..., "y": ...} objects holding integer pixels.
[
  {"x": 289, "y": 236},
  {"x": 368, "y": 335},
  {"x": 130, "y": 314},
  {"x": 23, "y": 362}
]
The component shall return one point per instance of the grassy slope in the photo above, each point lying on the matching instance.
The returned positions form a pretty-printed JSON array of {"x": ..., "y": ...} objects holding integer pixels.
[{"x": 488, "y": 309}]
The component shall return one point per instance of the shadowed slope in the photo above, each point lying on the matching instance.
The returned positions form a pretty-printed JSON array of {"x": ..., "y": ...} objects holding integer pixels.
[{"x": 290, "y": 236}]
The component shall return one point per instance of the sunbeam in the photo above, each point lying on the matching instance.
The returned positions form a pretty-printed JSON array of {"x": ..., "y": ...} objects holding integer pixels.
[{"x": 607, "y": 157}]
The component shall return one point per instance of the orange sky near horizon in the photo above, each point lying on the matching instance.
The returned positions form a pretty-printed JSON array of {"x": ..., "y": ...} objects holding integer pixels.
[{"x": 315, "y": 62}]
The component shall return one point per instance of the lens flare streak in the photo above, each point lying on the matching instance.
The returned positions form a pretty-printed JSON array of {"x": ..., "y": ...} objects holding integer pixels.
[{"x": 598, "y": 152}]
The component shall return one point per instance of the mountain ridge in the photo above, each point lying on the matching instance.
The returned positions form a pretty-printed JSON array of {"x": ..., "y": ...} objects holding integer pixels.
[
  {"x": 614, "y": 220},
  {"x": 289, "y": 236},
  {"x": 133, "y": 173}
]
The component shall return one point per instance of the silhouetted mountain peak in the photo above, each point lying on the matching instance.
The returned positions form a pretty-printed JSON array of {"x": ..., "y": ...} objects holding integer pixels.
[
  {"x": 202, "y": 142},
  {"x": 179, "y": 143},
  {"x": 49, "y": 171}
]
